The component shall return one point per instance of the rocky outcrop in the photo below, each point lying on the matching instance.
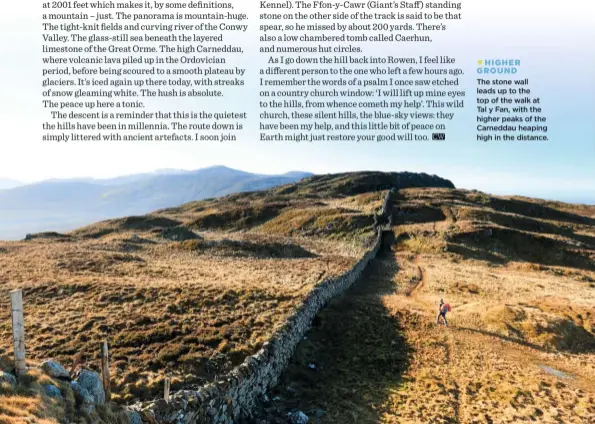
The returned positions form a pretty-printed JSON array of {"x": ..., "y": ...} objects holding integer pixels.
[
  {"x": 233, "y": 398},
  {"x": 87, "y": 387},
  {"x": 69, "y": 398}
]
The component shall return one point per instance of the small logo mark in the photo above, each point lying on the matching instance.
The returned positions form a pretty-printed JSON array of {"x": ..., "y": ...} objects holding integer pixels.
[{"x": 439, "y": 136}]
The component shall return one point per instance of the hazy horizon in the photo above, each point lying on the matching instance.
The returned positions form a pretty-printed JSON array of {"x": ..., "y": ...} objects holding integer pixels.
[
  {"x": 128, "y": 174},
  {"x": 503, "y": 184}
]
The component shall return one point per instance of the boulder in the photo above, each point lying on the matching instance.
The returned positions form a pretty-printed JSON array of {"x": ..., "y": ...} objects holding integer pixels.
[
  {"x": 82, "y": 396},
  {"x": 54, "y": 369},
  {"x": 298, "y": 417},
  {"x": 52, "y": 391},
  {"x": 8, "y": 378},
  {"x": 91, "y": 381},
  {"x": 134, "y": 417}
]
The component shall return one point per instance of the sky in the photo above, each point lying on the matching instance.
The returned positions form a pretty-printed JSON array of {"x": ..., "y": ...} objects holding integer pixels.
[{"x": 555, "y": 45}]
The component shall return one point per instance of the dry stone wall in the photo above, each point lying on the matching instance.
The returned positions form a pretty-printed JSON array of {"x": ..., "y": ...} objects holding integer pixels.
[{"x": 233, "y": 398}]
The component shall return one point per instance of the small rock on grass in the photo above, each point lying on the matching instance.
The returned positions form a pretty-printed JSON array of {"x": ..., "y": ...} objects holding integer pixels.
[
  {"x": 8, "y": 378},
  {"x": 298, "y": 417},
  {"x": 54, "y": 369},
  {"x": 52, "y": 391},
  {"x": 82, "y": 396},
  {"x": 91, "y": 381},
  {"x": 266, "y": 401},
  {"x": 134, "y": 417}
]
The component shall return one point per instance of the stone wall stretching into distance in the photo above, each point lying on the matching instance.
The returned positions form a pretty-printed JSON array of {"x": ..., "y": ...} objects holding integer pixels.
[{"x": 233, "y": 397}]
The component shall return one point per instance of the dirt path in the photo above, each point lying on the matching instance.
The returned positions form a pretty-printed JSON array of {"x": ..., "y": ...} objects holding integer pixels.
[{"x": 422, "y": 280}]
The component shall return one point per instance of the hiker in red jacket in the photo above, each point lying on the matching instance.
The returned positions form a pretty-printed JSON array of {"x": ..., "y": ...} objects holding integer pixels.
[{"x": 442, "y": 310}]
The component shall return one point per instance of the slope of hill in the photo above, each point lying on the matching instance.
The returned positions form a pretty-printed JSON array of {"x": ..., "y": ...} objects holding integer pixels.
[
  {"x": 189, "y": 291},
  {"x": 519, "y": 274},
  {"x": 186, "y": 292},
  {"x": 61, "y": 205}
]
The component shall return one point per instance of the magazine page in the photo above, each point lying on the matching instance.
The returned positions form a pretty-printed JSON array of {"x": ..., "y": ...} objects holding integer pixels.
[{"x": 297, "y": 211}]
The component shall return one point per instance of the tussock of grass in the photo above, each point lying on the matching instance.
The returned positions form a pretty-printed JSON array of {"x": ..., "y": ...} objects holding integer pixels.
[
  {"x": 147, "y": 222},
  {"x": 320, "y": 222},
  {"x": 238, "y": 217},
  {"x": 241, "y": 248},
  {"x": 420, "y": 243},
  {"x": 180, "y": 233},
  {"x": 49, "y": 235},
  {"x": 131, "y": 223}
]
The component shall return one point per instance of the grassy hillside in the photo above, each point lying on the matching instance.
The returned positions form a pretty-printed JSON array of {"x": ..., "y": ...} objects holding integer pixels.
[
  {"x": 520, "y": 276},
  {"x": 188, "y": 292}
]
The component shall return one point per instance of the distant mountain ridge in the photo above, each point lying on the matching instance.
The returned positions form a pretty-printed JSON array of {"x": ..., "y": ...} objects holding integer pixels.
[{"x": 60, "y": 205}]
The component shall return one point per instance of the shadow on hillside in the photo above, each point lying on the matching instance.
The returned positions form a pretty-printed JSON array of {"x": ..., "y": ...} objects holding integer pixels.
[
  {"x": 348, "y": 362},
  {"x": 248, "y": 249},
  {"x": 536, "y": 210},
  {"x": 417, "y": 215},
  {"x": 506, "y": 245},
  {"x": 516, "y": 340},
  {"x": 478, "y": 254},
  {"x": 565, "y": 337},
  {"x": 524, "y": 223}
]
